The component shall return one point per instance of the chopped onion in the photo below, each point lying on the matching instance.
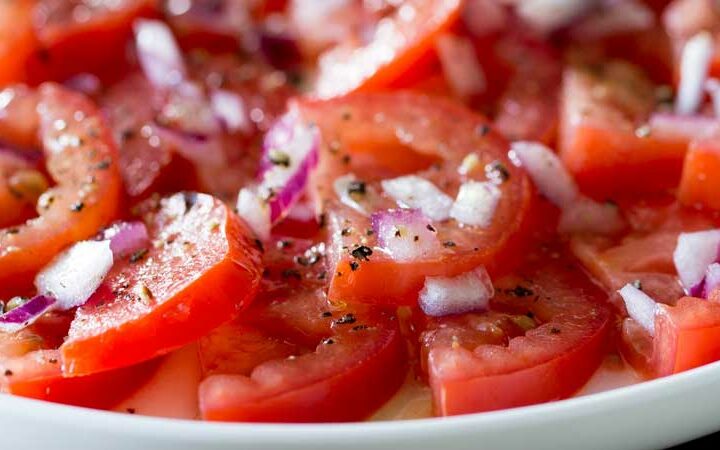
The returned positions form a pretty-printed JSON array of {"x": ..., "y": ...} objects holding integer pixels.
[
  {"x": 126, "y": 238},
  {"x": 549, "y": 15},
  {"x": 694, "y": 66},
  {"x": 158, "y": 53},
  {"x": 405, "y": 234},
  {"x": 684, "y": 127},
  {"x": 461, "y": 66},
  {"x": 693, "y": 254},
  {"x": 355, "y": 194},
  {"x": 76, "y": 273},
  {"x": 255, "y": 211},
  {"x": 471, "y": 291},
  {"x": 547, "y": 172},
  {"x": 315, "y": 21},
  {"x": 230, "y": 110},
  {"x": 712, "y": 86},
  {"x": 483, "y": 17},
  {"x": 476, "y": 203},
  {"x": 412, "y": 191},
  {"x": 640, "y": 307},
  {"x": 618, "y": 17},
  {"x": 712, "y": 279},
  {"x": 198, "y": 148},
  {"x": 586, "y": 215},
  {"x": 86, "y": 83},
  {"x": 26, "y": 314}
]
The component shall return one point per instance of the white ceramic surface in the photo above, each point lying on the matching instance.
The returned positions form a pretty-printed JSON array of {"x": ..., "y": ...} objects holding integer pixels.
[{"x": 649, "y": 415}]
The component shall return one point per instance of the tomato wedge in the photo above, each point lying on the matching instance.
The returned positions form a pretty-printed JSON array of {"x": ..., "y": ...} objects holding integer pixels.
[
  {"x": 699, "y": 183},
  {"x": 295, "y": 356},
  {"x": 544, "y": 336},
  {"x": 398, "y": 42},
  {"x": 200, "y": 272},
  {"x": 17, "y": 40},
  {"x": 385, "y": 135},
  {"x": 82, "y": 159}
]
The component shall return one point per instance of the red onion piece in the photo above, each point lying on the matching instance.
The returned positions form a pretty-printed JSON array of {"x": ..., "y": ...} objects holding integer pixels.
[
  {"x": 201, "y": 149},
  {"x": 405, "y": 234},
  {"x": 694, "y": 66},
  {"x": 461, "y": 66},
  {"x": 712, "y": 279},
  {"x": 442, "y": 296},
  {"x": 712, "y": 86},
  {"x": 126, "y": 238},
  {"x": 229, "y": 108},
  {"x": 86, "y": 83},
  {"x": 682, "y": 127},
  {"x": 26, "y": 314},
  {"x": 158, "y": 53},
  {"x": 547, "y": 172},
  {"x": 693, "y": 254},
  {"x": 484, "y": 17},
  {"x": 412, "y": 191},
  {"x": 76, "y": 273},
  {"x": 640, "y": 307}
]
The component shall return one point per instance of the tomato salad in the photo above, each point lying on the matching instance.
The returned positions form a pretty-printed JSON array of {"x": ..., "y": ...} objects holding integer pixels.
[{"x": 324, "y": 207}]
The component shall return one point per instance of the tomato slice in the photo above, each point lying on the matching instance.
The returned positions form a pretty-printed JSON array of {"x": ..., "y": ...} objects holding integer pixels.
[
  {"x": 487, "y": 361},
  {"x": 384, "y": 135},
  {"x": 687, "y": 335},
  {"x": 202, "y": 270},
  {"x": 699, "y": 183},
  {"x": 604, "y": 134},
  {"x": 399, "y": 41},
  {"x": 295, "y": 356},
  {"x": 82, "y": 159}
]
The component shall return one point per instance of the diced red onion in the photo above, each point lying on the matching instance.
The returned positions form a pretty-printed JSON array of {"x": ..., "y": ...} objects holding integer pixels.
[
  {"x": 255, "y": 211},
  {"x": 461, "y": 66},
  {"x": 126, "y": 238},
  {"x": 230, "y": 109},
  {"x": 25, "y": 314},
  {"x": 587, "y": 215},
  {"x": 290, "y": 153},
  {"x": 618, "y": 17},
  {"x": 712, "y": 279},
  {"x": 483, "y": 17},
  {"x": 694, "y": 253},
  {"x": 200, "y": 149},
  {"x": 683, "y": 127},
  {"x": 362, "y": 203},
  {"x": 547, "y": 172},
  {"x": 640, "y": 307},
  {"x": 158, "y": 53},
  {"x": 442, "y": 296},
  {"x": 86, "y": 83},
  {"x": 76, "y": 273},
  {"x": 694, "y": 66},
  {"x": 476, "y": 203},
  {"x": 405, "y": 234},
  {"x": 412, "y": 191},
  {"x": 549, "y": 15},
  {"x": 712, "y": 86},
  {"x": 216, "y": 17}
]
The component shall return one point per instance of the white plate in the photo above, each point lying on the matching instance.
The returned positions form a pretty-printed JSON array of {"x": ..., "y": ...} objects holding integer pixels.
[{"x": 655, "y": 414}]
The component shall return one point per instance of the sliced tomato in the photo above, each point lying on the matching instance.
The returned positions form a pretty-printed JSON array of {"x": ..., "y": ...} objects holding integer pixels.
[
  {"x": 398, "y": 42},
  {"x": 700, "y": 183},
  {"x": 20, "y": 186},
  {"x": 17, "y": 40},
  {"x": 295, "y": 356},
  {"x": 605, "y": 136},
  {"x": 687, "y": 335},
  {"x": 384, "y": 135},
  {"x": 201, "y": 271},
  {"x": 543, "y": 338},
  {"x": 81, "y": 158}
]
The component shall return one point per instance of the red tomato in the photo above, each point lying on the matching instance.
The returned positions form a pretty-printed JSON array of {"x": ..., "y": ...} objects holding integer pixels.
[
  {"x": 700, "y": 180},
  {"x": 398, "y": 42},
  {"x": 604, "y": 135},
  {"x": 295, "y": 356},
  {"x": 17, "y": 40},
  {"x": 200, "y": 272},
  {"x": 20, "y": 186},
  {"x": 364, "y": 134},
  {"x": 82, "y": 159},
  {"x": 687, "y": 335},
  {"x": 544, "y": 336}
]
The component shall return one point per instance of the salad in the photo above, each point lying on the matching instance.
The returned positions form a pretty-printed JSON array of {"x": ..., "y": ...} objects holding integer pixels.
[{"x": 328, "y": 206}]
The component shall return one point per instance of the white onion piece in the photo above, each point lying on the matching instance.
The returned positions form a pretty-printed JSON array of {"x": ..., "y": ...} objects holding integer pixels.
[
  {"x": 549, "y": 15},
  {"x": 26, "y": 314},
  {"x": 255, "y": 211},
  {"x": 694, "y": 65},
  {"x": 712, "y": 86},
  {"x": 460, "y": 65},
  {"x": 692, "y": 256},
  {"x": 712, "y": 279},
  {"x": 316, "y": 21},
  {"x": 640, "y": 307},
  {"x": 412, "y": 191},
  {"x": 442, "y": 296},
  {"x": 587, "y": 215},
  {"x": 76, "y": 273},
  {"x": 687, "y": 127},
  {"x": 158, "y": 53},
  {"x": 405, "y": 234},
  {"x": 618, "y": 17},
  {"x": 126, "y": 238},
  {"x": 229, "y": 108},
  {"x": 483, "y": 17},
  {"x": 547, "y": 172},
  {"x": 476, "y": 203},
  {"x": 359, "y": 202}
]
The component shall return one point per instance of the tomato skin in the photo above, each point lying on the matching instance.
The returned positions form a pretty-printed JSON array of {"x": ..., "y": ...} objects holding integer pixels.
[
  {"x": 442, "y": 134},
  {"x": 470, "y": 372},
  {"x": 207, "y": 270},
  {"x": 17, "y": 40},
  {"x": 699, "y": 184}
]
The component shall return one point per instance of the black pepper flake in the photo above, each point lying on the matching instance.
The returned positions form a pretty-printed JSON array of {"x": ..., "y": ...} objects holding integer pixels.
[
  {"x": 8, "y": 373},
  {"x": 279, "y": 158},
  {"x": 431, "y": 228},
  {"x": 328, "y": 341},
  {"x": 369, "y": 232},
  {"x": 284, "y": 243},
  {"x": 354, "y": 266},
  {"x": 126, "y": 135},
  {"x": 77, "y": 206},
  {"x": 322, "y": 275},
  {"x": 13, "y": 230},
  {"x": 326, "y": 314},
  {"x": 190, "y": 199},
  {"x": 52, "y": 360},
  {"x": 322, "y": 220},
  {"x": 103, "y": 165},
  {"x": 309, "y": 259},
  {"x": 483, "y": 130},
  {"x": 555, "y": 330},
  {"x": 637, "y": 284},
  {"x": 530, "y": 314},
  {"x": 138, "y": 255},
  {"x": 360, "y": 327},
  {"x": 346, "y": 319},
  {"x": 131, "y": 410},
  {"x": 259, "y": 245},
  {"x": 520, "y": 291},
  {"x": 398, "y": 233},
  {"x": 345, "y": 159},
  {"x": 497, "y": 172},
  {"x": 346, "y": 115},
  {"x": 362, "y": 252},
  {"x": 345, "y": 232},
  {"x": 357, "y": 187},
  {"x": 416, "y": 238},
  {"x": 291, "y": 273},
  {"x": 339, "y": 274},
  {"x": 449, "y": 244}
]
